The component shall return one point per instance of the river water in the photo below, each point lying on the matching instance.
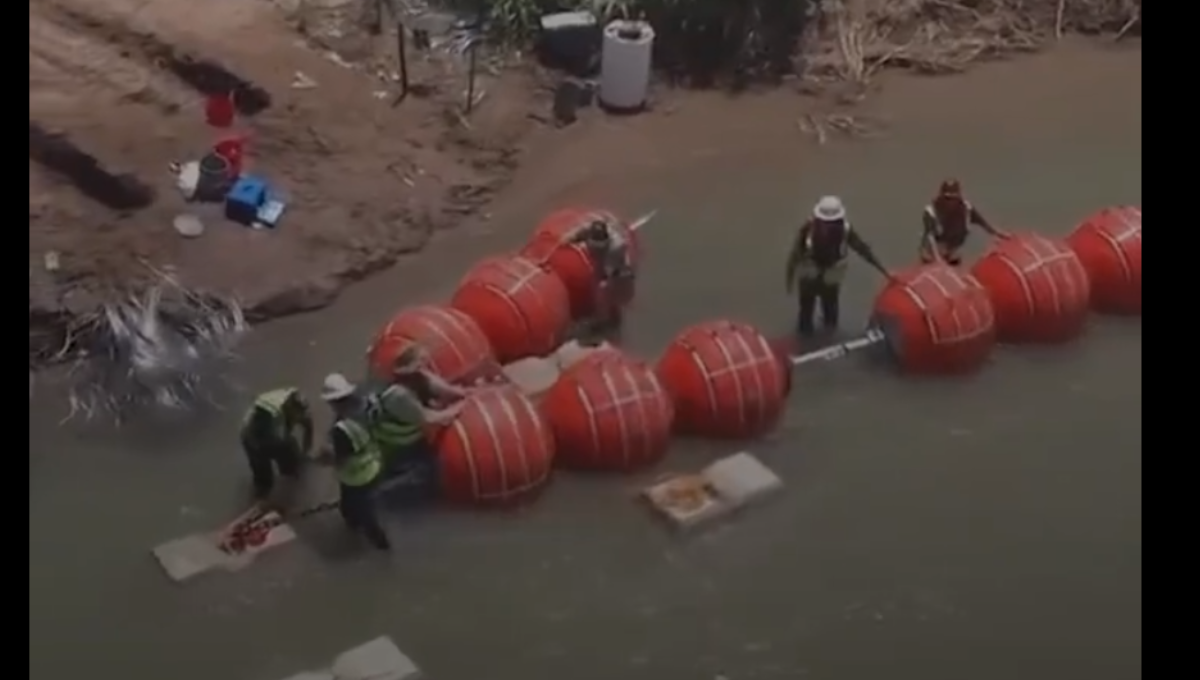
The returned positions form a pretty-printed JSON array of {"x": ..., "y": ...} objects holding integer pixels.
[{"x": 980, "y": 528}]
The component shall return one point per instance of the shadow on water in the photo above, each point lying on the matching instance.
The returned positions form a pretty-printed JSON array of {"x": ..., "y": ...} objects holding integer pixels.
[{"x": 984, "y": 528}]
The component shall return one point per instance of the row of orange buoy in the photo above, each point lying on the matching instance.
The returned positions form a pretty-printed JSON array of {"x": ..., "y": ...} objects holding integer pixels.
[
  {"x": 721, "y": 378},
  {"x": 607, "y": 412}
]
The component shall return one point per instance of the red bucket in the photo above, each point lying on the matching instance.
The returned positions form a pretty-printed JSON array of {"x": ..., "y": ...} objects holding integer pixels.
[
  {"x": 219, "y": 110},
  {"x": 232, "y": 150}
]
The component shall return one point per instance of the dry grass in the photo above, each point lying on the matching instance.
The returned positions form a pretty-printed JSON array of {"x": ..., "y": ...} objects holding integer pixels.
[{"x": 858, "y": 38}]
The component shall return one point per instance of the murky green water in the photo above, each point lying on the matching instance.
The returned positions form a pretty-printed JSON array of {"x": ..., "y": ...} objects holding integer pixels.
[{"x": 975, "y": 529}]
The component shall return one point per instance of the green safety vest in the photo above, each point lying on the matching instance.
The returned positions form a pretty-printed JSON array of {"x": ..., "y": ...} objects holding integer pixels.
[
  {"x": 835, "y": 272},
  {"x": 365, "y": 463},
  {"x": 388, "y": 430},
  {"x": 272, "y": 402}
]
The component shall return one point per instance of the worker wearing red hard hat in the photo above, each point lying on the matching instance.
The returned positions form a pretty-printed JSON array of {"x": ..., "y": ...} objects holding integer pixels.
[
  {"x": 947, "y": 221},
  {"x": 817, "y": 263}
]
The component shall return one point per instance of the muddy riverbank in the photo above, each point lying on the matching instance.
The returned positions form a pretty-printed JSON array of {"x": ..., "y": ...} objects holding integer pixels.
[{"x": 987, "y": 528}]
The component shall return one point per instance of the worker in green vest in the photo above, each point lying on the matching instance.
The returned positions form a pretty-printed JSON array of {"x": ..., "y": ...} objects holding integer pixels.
[
  {"x": 357, "y": 461},
  {"x": 269, "y": 437},
  {"x": 399, "y": 413}
]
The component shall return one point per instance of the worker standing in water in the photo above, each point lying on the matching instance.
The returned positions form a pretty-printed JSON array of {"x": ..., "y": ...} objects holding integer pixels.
[
  {"x": 270, "y": 441},
  {"x": 356, "y": 458},
  {"x": 947, "y": 222},
  {"x": 817, "y": 263},
  {"x": 399, "y": 413},
  {"x": 608, "y": 251}
]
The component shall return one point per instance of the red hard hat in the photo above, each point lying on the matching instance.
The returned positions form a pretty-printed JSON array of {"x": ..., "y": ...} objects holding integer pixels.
[{"x": 950, "y": 187}]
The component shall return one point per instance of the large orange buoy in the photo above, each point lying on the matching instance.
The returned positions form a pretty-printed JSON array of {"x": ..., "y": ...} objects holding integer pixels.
[
  {"x": 521, "y": 308},
  {"x": 937, "y": 320},
  {"x": 1109, "y": 244},
  {"x": 1039, "y": 289},
  {"x": 550, "y": 245},
  {"x": 725, "y": 378},
  {"x": 457, "y": 348},
  {"x": 609, "y": 412},
  {"x": 497, "y": 451}
]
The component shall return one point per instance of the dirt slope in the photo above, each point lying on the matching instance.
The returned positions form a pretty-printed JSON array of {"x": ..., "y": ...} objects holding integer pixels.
[{"x": 124, "y": 82}]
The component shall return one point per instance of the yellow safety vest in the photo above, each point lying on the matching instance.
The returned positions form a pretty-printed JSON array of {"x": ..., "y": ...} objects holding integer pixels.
[
  {"x": 834, "y": 273},
  {"x": 365, "y": 463},
  {"x": 272, "y": 402},
  {"x": 391, "y": 432}
]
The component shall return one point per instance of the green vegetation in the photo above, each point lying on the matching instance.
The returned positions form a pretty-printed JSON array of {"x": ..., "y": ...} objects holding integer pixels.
[{"x": 701, "y": 41}]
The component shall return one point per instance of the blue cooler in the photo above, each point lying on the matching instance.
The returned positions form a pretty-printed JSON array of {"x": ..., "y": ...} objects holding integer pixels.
[{"x": 245, "y": 199}]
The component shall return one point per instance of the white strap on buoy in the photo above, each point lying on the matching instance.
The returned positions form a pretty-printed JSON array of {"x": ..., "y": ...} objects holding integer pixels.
[{"x": 873, "y": 337}]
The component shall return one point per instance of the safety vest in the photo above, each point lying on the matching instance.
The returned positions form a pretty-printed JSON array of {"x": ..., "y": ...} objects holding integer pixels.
[
  {"x": 389, "y": 431},
  {"x": 273, "y": 402},
  {"x": 825, "y": 261},
  {"x": 817, "y": 248},
  {"x": 366, "y": 461}
]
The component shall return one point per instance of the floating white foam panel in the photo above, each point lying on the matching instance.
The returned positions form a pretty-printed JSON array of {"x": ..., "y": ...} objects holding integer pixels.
[
  {"x": 725, "y": 487},
  {"x": 533, "y": 376},
  {"x": 571, "y": 353},
  {"x": 186, "y": 558},
  {"x": 379, "y": 659}
]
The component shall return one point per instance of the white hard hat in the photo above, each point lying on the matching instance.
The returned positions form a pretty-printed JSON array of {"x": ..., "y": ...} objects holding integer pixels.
[
  {"x": 336, "y": 387},
  {"x": 830, "y": 209}
]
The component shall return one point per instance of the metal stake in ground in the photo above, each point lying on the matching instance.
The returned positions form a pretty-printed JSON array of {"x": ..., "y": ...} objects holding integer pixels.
[{"x": 402, "y": 54}]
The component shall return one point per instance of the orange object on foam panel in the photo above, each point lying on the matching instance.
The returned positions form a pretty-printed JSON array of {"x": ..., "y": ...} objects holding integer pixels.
[
  {"x": 726, "y": 380},
  {"x": 1038, "y": 287},
  {"x": 609, "y": 412},
  {"x": 937, "y": 320},
  {"x": 457, "y": 348},
  {"x": 570, "y": 261},
  {"x": 1109, "y": 244},
  {"x": 498, "y": 451},
  {"x": 520, "y": 307}
]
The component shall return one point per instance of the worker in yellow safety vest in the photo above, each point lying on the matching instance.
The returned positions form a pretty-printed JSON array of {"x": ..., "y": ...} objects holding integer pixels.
[
  {"x": 817, "y": 262},
  {"x": 399, "y": 413},
  {"x": 357, "y": 460},
  {"x": 270, "y": 439}
]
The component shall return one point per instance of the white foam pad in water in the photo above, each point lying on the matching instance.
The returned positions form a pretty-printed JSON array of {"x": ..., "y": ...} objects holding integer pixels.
[
  {"x": 722, "y": 488},
  {"x": 379, "y": 659},
  {"x": 533, "y": 376},
  {"x": 571, "y": 353},
  {"x": 742, "y": 479},
  {"x": 186, "y": 558}
]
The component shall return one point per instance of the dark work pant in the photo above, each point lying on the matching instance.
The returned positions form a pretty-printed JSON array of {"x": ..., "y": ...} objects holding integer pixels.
[
  {"x": 412, "y": 470},
  {"x": 812, "y": 293},
  {"x": 267, "y": 457},
  {"x": 359, "y": 512}
]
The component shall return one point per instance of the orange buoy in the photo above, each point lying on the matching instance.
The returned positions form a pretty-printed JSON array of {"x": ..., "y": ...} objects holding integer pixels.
[
  {"x": 1109, "y": 244},
  {"x": 520, "y": 307},
  {"x": 550, "y": 244},
  {"x": 1039, "y": 289},
  {"x": 498, "y": 450},
  {"x": 937, "y": 320},
  {"x": 725, "y": 378},
  {"x": 609, "y": 412},
  {"x": 457, "y": 348}
]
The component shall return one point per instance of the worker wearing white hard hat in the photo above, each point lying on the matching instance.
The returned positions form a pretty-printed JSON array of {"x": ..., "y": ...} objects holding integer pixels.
[
  {"x": 357, "y": 459},
  {"x": 817, "y": 263}
]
